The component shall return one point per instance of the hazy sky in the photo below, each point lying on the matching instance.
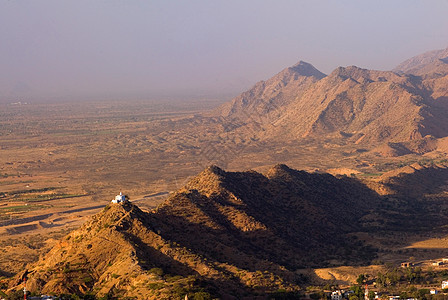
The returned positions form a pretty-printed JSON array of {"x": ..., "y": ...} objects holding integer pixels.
[{"x": 150, "y": 48}]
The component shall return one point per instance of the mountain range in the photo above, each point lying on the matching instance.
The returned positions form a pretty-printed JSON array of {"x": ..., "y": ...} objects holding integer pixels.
[
  {"x": 351, "y": 105},
  {"x": 237, "y": 235}
]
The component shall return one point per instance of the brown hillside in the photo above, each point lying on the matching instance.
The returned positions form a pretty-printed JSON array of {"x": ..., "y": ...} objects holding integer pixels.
[
  {"x": 358, "y": 105},
  {"x": 115, "y": 253},
  {"x": 236, "y": 234},
  {"x": 224, "y": 233},
  {"x": 349, "y": 106},
  {"x": 266, "y": 97},
  {"x": 422, "y": 180},
  {"x": 420, "y": 64},
  {"x": 285, "y": 212},
  {"x": 418, "y": 146}
]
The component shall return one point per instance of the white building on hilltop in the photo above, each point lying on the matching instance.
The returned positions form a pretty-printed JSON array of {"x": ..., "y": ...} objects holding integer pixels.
[{"x": 119, "y": 198}]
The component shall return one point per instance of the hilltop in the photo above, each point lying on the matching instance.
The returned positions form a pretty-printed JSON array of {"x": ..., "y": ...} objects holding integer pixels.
[
  {"x": 276, "y": 92},
  {"x": 118, "y": 254},
  {"x": 287, "y": 214},
  {"x": 224, "y": 233},
  {"x": 235, "y": 234}
]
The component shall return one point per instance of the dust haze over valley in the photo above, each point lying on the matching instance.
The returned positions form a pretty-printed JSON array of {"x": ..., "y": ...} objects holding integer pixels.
[
  {"x": 245, "y": 180},
  {"x": 381, "y": 133}
]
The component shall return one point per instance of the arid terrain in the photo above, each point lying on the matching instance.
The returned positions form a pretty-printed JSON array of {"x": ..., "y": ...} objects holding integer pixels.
[
  {"x": 246, "y": 234},
  {"x": 383, "y": 134},
  {"x": 61, "y": 162}
]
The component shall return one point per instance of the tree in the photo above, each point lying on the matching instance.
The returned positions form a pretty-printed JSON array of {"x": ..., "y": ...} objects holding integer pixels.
[
  {"x": 380, "y": 280},
  {"x": 358, "y": 291},
  {"x": 361, "y": 279}
]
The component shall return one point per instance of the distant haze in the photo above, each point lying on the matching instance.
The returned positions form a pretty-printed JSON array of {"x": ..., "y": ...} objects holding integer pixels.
[{"x": 145, "y": 49}]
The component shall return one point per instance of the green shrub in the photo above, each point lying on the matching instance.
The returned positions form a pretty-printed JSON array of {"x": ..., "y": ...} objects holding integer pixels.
[
  {"x": 156, "y": 271},
  {"x": 201, "y": 296},
  {"x": 156, "y": 285},
  {"x": 175, "y": 278}
]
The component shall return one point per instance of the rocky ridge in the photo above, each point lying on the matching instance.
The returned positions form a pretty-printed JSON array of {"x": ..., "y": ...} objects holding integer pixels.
[
  {"x": 226, "y": 234},
  {"x": 237, "y": 234},
  {"x": 350, "y": 106}
]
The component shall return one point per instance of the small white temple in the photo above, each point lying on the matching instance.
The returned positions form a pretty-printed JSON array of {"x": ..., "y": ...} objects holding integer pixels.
[{"x": 119, "y": 198}]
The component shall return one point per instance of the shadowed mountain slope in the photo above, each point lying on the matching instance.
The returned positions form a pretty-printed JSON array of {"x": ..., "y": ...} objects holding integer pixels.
[
  {"x": 234, "y": 235},
  {"x": 227, "y": 234},
  {"x": 279, "y": 217}
]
